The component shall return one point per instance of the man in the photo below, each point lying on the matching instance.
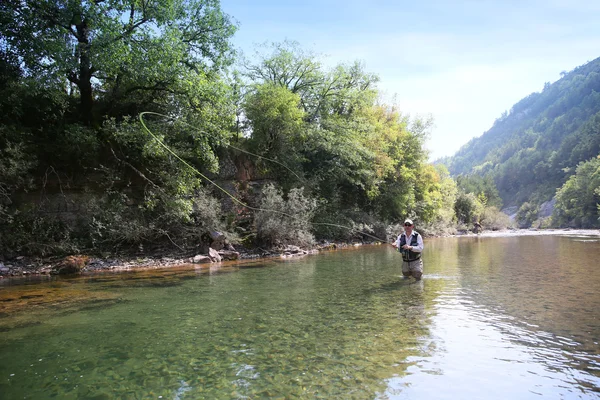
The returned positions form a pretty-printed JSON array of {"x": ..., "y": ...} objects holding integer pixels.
[{"x": 410, "y": 244}]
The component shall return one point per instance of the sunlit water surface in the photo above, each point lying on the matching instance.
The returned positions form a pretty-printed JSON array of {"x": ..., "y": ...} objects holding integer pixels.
[{"x": 493, "y": 318}]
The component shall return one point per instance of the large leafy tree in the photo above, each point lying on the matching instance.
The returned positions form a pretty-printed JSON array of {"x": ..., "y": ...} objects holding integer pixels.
[
  {"x": 274, "y": 118},
  {"x": 76, "y": 73},
  {"x": 578, "y": 200},
  {"x": 359, "y": 155},
  {"x": 482, "y": 186},
  {"x": 104, "y": 51}
]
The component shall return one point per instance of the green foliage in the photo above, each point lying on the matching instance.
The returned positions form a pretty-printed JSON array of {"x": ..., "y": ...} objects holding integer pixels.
[
  {"x": 275, "y": 119},
  {"x": 120, "y": 221},
  {"x": 15, "y": 165},
  {"x": 282, "y": 220},
  {"x": 119, "y": 52},
  {"x": 577, "y": 201},
  {"x": 482, "y": 186},
  {"x": 354, "y": 152},
  {"x": 467, "y": 208},
  {"x": 527, "y": 214},
  {"x": 493, "y": 219},
  {"x": 447, "y": 193},
  {"x": 31, "y": 232},
  {"x": 76, "y": 75}
]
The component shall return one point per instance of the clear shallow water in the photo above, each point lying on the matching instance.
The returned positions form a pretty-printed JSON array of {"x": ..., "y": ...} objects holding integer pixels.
[{"x": 515, "y": 317}]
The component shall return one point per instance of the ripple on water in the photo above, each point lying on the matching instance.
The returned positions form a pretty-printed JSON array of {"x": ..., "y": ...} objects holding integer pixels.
[{"x": 492, "y": 318}]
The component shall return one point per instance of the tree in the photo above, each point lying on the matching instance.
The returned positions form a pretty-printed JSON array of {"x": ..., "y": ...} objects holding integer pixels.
[
  {"x": 482, "y": 186},
  {"x": 467, "y": 208},
  {"x": 322, "y": 92},
  {"x": 274, "y": 118},
  {"x": 78, "y": 73},
  {"x": 578, "y": 199},
  {"x": 527, "y": 215},
  {"x": 105, "y": 51},
  {"x": 287, "y": 65}
]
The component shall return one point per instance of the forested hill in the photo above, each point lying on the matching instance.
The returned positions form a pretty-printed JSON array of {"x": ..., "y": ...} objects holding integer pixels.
[{"x": 532, "y": 150}]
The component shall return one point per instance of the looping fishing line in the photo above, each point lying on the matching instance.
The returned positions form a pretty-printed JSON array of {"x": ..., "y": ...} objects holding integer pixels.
[{"x": 233, "y": 198}]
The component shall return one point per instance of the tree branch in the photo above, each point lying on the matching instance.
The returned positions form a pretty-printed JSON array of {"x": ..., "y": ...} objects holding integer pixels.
[{"x": 140, "y": 173}]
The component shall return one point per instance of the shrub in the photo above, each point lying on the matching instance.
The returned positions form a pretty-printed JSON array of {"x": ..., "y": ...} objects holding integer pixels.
[
  {"x": 527, "y": 214},
  {"x": 285, "y": 221},
  {"x": 493, "y": 219},
  {"x": 30, "y": 232},
  {"x": 118, "y": 219},
  {"x": 467, "y": 208}
]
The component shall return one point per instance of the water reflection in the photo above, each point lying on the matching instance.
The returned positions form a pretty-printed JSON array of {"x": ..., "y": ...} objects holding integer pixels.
[
  {"x": 492, "y": 318},
  {"x": 521, "y": 321}
]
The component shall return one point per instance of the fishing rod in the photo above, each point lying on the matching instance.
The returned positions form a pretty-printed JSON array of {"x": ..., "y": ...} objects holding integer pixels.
[{"x": 232, "y": 197}]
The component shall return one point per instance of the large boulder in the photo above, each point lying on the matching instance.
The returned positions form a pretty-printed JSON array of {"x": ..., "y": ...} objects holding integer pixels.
[{"x": 218, "y": 240}]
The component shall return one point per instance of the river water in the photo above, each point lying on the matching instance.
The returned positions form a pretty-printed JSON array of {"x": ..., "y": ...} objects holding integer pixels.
[{"x": 493, "y": 318}]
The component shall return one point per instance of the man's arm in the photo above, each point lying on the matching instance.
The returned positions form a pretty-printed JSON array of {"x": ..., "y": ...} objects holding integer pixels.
[{"x": 419, "y": 247}]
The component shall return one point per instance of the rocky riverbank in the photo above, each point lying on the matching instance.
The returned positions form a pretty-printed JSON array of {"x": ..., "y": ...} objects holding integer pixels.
[
  {"x": 23, "y": 266},
  {"x": 218, "y": 251}
]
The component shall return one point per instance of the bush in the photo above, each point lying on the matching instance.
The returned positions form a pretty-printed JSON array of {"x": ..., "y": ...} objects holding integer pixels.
[
  {"x": 281, "y": 221},
  {"x": 29, "y": 232},
  {"x": 578, "y": 200},
  {"x": 527, "y": 214},
  {"x": 439, "y": 227},
  {"x": 118, "y": 219},
  {"x": 467, "y": 208},
  {"x": 493, "y": 219}
]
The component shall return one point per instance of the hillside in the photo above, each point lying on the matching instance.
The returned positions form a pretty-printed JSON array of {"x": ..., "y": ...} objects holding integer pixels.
[{"x": 532, "y": 150}]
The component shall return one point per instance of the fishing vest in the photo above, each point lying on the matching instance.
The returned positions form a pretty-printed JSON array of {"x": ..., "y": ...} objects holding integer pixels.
[{"x": 409, "y": 255}]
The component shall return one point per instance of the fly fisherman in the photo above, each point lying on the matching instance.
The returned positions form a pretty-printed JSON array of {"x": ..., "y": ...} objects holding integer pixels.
[{"x": 410, "y": 244}]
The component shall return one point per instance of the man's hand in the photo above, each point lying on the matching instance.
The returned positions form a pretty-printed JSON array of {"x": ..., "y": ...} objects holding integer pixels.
[{"x": 406, "y": 247}]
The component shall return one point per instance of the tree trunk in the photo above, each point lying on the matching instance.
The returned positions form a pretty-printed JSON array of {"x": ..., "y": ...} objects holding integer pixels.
[{"x": 84, "y": 82}]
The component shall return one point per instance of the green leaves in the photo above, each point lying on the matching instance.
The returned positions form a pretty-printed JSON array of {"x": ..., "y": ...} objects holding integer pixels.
[
  {"x": 578, "y": 199},
  {"x": 355, "y": 153},
  {"x": 111, "y": 49}
]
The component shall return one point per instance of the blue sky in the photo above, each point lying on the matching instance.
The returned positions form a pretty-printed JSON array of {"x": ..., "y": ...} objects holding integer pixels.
[{"x": 463, "y": 62}]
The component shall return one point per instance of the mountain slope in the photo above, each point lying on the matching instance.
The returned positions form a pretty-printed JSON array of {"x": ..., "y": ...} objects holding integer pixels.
[{"x": 533, "y": 149}]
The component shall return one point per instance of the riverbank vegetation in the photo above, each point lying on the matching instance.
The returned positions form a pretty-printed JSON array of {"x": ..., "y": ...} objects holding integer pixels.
[{"x": 298, "y": 151}]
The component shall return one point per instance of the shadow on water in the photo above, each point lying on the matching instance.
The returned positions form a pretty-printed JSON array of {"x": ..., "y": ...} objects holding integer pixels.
[{"x": 396, "y": 285}]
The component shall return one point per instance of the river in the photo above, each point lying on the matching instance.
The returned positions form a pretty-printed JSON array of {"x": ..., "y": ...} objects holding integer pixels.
[{"x": 493, "y": 318}]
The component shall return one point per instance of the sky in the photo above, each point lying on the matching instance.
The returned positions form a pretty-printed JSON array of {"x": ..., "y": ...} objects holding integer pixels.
[{"x": 462, "y": 62}]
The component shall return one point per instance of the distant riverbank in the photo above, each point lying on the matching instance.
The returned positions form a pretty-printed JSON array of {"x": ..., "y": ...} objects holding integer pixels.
[{"x": 535, "y": 232}]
